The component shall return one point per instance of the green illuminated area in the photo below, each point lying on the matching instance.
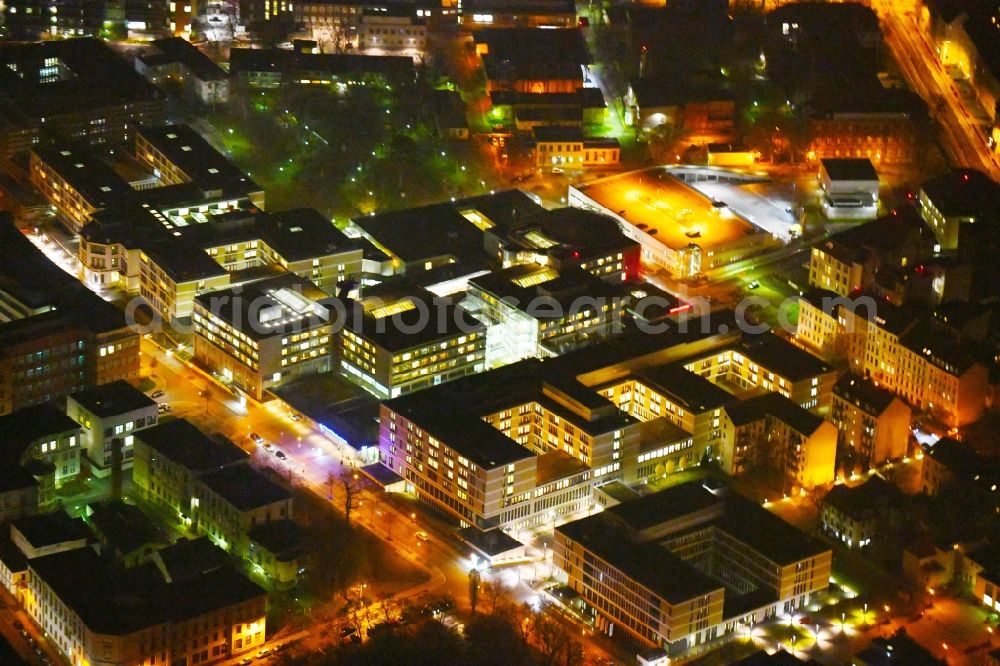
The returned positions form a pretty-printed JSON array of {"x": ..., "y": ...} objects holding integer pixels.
[{"x": 347, "y": 149}]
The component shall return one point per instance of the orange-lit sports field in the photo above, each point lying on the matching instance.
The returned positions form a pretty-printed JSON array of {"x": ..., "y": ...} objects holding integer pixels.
[{"x": 653, "y": 200}]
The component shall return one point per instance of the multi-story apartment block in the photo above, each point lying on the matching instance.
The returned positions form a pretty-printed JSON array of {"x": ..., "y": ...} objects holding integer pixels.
[
  {"x": 962, "y": 209},
  {"x": 392, "y": 30},
  {"x": 873, "y": 425},
  {"x": 901, "y": 349},
  {"x": 680, "y": 397},
  {"x": 75, "y": 182},
  {"x": 687, "y": 565},
  {"x": 818, "y": 328},
  {"x": 521, "y": 14},
  {"x": 234, "y": 500},
  {"x": 532, "y": 310},
  {"x": 770, "y": 363},
  {"x": 211, "y": 488},
  {"x": 177, "y": 59},
  {"x": 950, "y": 462},
  {"x": 507, "y": 228},
  {"x": 78, "y": 90},
  {"x": 172, "y": 274},
  {"x": 56, "y": 336},
  {"x": 918, "y": 359},
  {"x": 42, "y": 434},
  {"x": 514, "y": 448},
  {"x": 171, "y": 456},
  {"x": 855, "y": 515},
  {"x": 396, "y": 342},
  {"x": 177, "y": 155},
  {"x": 33, "y": 536},
  {"x": 112, "y": 411},
  {"x": 121, "y": 617},
  {"x": 263, "y": 333},
  {"x": 133, "y": 248},
  {"x": 945, "y": 204},
  {"x": 849, "y": 262},
  {"x": 627, "y": 409},
  {"x": 772, "y": 432}
]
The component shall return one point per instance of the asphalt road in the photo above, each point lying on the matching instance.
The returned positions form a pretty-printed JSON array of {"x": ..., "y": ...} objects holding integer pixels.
[{"x": 964, "y": 139}]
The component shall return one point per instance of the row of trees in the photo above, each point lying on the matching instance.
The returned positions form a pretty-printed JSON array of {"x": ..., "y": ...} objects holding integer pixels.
[{"x": 500, "y": 633}]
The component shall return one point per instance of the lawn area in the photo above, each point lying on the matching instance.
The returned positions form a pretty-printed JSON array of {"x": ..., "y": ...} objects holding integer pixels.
[
  {"x": 342, "y": 556},
  {"x": 346, "y": 150}
]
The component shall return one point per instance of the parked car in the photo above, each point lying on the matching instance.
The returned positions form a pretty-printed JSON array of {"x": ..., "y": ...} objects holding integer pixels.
[
  {"x": 157, "y": 394},
  {"x": 257, "y": 439},
  {"x": 264, "y": 653},
  {"x": 280, "y": 455}
]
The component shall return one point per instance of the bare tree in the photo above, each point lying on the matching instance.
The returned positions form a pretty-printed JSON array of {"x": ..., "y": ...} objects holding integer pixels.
[
  {"x": 351, "y": 483},
  {"x": 554, "y": 638},
  {"x": 474, "y": 583},
  {"x": 494, "y": 592}
]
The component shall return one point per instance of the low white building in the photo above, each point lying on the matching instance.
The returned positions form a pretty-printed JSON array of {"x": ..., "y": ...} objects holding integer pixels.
[
  {"x": 108, "y": 411},
  {"x": 850, "y": 188}
]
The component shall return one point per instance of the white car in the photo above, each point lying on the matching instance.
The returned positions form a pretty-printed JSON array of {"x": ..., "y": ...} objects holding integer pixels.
[{"x": 423, "y": 536}]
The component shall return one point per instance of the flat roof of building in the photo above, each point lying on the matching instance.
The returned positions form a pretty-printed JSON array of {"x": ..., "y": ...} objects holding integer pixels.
[
  {"x": 94, "y": 76},
  {"x": 965, "y": 193},
  {"x": 666, "y": 505},
  {"x": 557, "y": 464},
  {"x": 11, "y": 555},
  {"x": 842, "y": 168},
  {"x": 691, "y": 391},
  {"x": 270, "y": 307},
  {"x": 665, "y": 207},
  {"x": 123, "y": 526},
  {"x": 117, "y": 397},
  {"x": 26, "y": 426},
  {"x": 418, "y": 318},
  {"x": 654, "y": 567},
  {"x": 180, "y": 441},
  {"x": 417, "y": 234},
  {"x": 583, "y": 98},
  {"x": 537, "y": 290},
  {"x": 513, "y": 53},
  {"x": 521, "y": 7},
  {"x": 569, "y": 133},
  {"x": 284, "y": 538},
  {"x": 244, "y": 487},
  {"x": 49, "y": 529},
  {"x": 96, "y": 182},
  {"x": 863, "y": 394},
  {"x": 452, "y": 412},
  {"x": 177, "y": 49},
  {"x": 776, "y": 406},
  {"x": 863, "y": 501},
  {"x": 205, "y": 166},
  {"x": 116, "y": 601},
  {"x": 183, "y": 260},
  {"x": 187, "y": 558},
  {"x": 491, "y": 542},
  {"x": 781, "y": 356},
  {"x": 743, "y": 519},
  {"x": 396, "y": 69}
]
